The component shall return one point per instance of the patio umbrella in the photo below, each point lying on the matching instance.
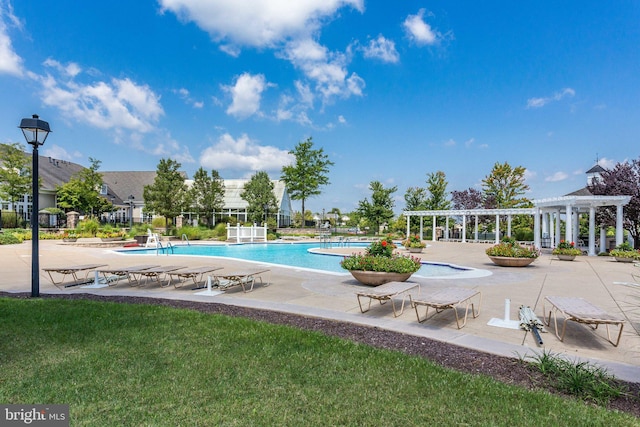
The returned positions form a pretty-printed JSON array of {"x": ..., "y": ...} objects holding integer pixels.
[{"x": 530, "y": 322}]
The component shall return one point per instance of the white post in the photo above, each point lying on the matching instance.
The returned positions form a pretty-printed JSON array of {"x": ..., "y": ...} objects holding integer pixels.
[
  {"x": 509, "y": 225},
  {"x": 446, "y": 228},
  {"x": 421, "y": 226},
  {"x": 433, "y": 229},
  {"x": 558, "y": 232},
  {"x": 536, "y": 229},
  {"x": 568, "y": 224},
  {"x": 464, "y": 228},
  {"x": 619, "y": 229},
  {"x": 497, "y": 229},
  {"x": 408, "y": 225},
  {"x": 507, "y": 309},
  {"x": 475, "y": 230},
  {"x": 592, "y": 231},
  {"x": 603, "y": 239}
]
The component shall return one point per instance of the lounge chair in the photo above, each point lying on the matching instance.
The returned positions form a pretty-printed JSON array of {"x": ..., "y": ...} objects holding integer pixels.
[
  {"x": 243, "y": 278},
  {"x": 449, "y": 298},
  {"x": 581, "y": 311},
  {"x": 196, "y": 274},
  {"x": 113, "y": 275},
  {"x": 153, "y": 273},
  {"x": 386, "y": 292},
  {"x": 73, "y": 272}
]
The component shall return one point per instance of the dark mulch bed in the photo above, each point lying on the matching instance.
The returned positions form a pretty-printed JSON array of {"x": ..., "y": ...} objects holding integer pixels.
[{"x": 504, "y": 369}]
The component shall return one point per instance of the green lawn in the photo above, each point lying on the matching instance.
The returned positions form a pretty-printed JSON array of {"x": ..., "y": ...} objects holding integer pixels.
[{"x": 137, "y": 365}]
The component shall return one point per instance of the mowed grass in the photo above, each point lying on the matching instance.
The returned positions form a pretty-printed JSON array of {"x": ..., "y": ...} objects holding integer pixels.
[{"x": 145, "y": 365}]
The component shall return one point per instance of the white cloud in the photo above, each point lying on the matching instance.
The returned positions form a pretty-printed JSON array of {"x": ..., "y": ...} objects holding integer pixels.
[
  {"x": 558, "y": 96},
  {"x": 419, "y": 31},
  {"x": 246, "y": 94},
  {"x": 529, "y": 174},
  {"x": 70, "y": 70},
  {"x": 556, "y": 177},
  {"x": 382, "y": 49},
  {"x": 10, "y": 61},
  {"x": 327, "y": 70},
  {"x": 342, "y": 120},
  {"x": 186, "y": 97},
  {"x": 257, "y": 23},
  {"x": 450, "y": 143},
  {"x": 608, "y": 163},
  {"x": 56, "y": 152},
  {"x": 244, "y": 155},
  {"x": 119, "y": 103}
]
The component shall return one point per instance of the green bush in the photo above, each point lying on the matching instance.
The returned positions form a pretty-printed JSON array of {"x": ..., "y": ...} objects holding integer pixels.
[
  {"x": 10, "y": 239},
  {"x": 9, "y": 219},
  {"x": 523, "y": 234},
  {"x": 160, "y": 222},
  {"x": 89, "y": 227},
  {"x": 272, "y": 236},
  {"x": 192, "y": 233},
  {"x": 220, "y": 231}
]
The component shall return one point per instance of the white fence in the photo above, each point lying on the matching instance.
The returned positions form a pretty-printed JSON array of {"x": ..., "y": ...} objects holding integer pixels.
[{"x": 253, "y": 233}]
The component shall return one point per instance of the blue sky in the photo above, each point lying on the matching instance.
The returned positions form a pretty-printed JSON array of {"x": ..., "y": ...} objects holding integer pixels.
[{"x": 391, "y": 91}]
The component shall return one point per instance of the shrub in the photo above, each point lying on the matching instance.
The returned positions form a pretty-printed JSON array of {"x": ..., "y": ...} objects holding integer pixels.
[
  {"x": 9, "y": 219},
  {"x": 89, "y": 227},
  {"x": 10, "y": 239},
  {"x": 510, "y": 248},
  {"x": 159, "y": 222},
  {"x": 220, "y": 231}
]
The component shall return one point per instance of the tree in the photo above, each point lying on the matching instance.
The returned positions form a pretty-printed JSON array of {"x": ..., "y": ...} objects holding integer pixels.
[
  {"x": 309, "y": 172},
  {"x": 82, "y": 191},
  {"x": 415, "y": 200},
  {"x": 15, "y": 174},
  {"x": 167, "y": 195},
  {"x": 437, "y": 188},
  {"x": 380, "y": 210},
  {"x": 622, "y": 180},
  {"x": 206, "y": 195},
  {"x": 258, "y": 193},
  {"x": 467, "y": 199},
  {"x": 504, "y": 185}
]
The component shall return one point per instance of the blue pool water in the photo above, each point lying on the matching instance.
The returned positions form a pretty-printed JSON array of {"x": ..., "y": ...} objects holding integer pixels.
[{"x": 287, "y": 254}]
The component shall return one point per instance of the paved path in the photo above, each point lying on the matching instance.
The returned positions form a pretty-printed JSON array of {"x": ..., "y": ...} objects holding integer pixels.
[{"x": 601, "y": 280}]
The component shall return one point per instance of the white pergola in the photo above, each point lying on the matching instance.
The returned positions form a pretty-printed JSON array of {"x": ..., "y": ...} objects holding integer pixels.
[{"x": 546, "y": 213}]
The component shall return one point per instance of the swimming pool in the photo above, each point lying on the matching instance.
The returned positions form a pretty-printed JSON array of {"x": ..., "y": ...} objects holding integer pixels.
[{"x": 289, "y": 255}]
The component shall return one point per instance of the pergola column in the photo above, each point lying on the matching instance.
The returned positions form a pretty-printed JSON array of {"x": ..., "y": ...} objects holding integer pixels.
[
  {"x": 603, "y": 239},
  {"x": 475, "y": 230},
  {"x": 408, "y": 223},
  {"x": 536, "y": 229},
  {"x": 509, "y": 225},
  {"x": 558, "y": 229},
  {"x": 497, "y": 229},
  {"x": 421, "y": 222},
  {"x": 464, "y": 228},
  {"x": 433, "y": 229},
  {"x": 568, "y": 224},
  {"x": 552, "y": 236},
  {"x": 619, "y": 229},
  {"x": 446, "y": 228},
  {"x": 576, "y": 228},
  {"x": 592, "y": 231}
]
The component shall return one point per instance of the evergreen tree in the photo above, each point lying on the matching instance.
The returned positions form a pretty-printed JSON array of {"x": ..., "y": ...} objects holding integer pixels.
[
  {"x": 258, "y": 193},
  {"x": 309, "y": 172},
  {"x": 167, "y": 195},
  {"x": 206, "y": 195},
  {"x": 380, "y": 210}
]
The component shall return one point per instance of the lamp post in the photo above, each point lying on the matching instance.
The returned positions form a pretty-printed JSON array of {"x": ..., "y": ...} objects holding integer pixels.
[
  {"x": 35, "y": 131},
  {"x": 130, "y": 198}
]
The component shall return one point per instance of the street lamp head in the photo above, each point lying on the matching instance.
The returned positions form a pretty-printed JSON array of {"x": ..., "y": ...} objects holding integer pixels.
[{"x": 35, "y": 130}]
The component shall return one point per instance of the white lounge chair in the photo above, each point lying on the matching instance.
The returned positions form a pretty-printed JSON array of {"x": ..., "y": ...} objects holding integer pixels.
[
  {"x": 449, "y": 298},
  {"x": 387, "y": 292},
  {"x": 579, "y": 310},
  {"x": 243, "y": 278}
]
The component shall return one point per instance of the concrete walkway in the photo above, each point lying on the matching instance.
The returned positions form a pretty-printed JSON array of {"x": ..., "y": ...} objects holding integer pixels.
[{"x": 601, "y": 280}]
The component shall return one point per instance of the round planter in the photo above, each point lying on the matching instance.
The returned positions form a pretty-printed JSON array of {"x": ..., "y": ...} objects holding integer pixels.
[
  {"x": 415, "y": 250},
  {"x": 504, "y": 261},
  {"x": 564, "y": 257},
  {"x": 69, "y": 239},
  {"x": 110, "y": 239},
  {"x": 623, "y": 259},
  {"x": 375, "y": 278}
]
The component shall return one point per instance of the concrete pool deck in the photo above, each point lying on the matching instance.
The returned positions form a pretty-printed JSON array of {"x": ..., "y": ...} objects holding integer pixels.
[{"x": 601, "y": 280}]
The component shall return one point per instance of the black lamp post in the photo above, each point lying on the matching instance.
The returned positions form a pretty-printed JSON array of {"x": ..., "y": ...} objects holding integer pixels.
[
  {"x": 130, "y": 211},
  {"x": 35, "y": 132}
]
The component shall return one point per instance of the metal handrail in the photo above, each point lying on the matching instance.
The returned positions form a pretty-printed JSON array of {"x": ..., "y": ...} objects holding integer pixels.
[{"x": 183, "y": 238}]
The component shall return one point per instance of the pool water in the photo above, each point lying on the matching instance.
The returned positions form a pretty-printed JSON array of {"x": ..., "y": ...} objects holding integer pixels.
[{"x": 285, "y": 254}]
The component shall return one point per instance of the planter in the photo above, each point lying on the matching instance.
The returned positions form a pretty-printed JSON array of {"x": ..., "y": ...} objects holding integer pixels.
[
  {"x": 504, "y": 261},
  {"x": 564, "y": 257},
  {"x": 110, "y": 239},
  {"x": 624, "y": 259},
  {"x": 415, "y": 250},
  {"x": 375, "y": 278},
  {"x": 69, "y": 239}
]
